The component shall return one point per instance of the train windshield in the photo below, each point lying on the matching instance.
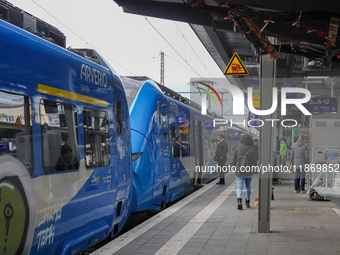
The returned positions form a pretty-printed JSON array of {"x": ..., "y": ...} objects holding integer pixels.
[{"x": 131, "y": 87}]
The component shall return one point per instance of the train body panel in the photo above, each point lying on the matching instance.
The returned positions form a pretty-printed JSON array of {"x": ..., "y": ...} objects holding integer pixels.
[
  {"x": 57, "y": 97},
  {"x": 160, "y": 176},
  {"x": 182, "y": 172},
  {"x": 149, "y": 137},
  {"x": 197, "y": 150}
]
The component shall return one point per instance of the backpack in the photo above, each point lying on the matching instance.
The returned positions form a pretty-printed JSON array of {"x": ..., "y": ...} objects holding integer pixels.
[
  {"x": 69, "y": 165},
  {"x": 243, "y": 159}
]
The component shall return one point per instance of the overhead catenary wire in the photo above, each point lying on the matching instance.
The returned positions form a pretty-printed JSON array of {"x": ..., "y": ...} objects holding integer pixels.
[
  {"x": 172, "y": 47},
  {"x": 178, "y": 62},
  {"x": 194, "y": 50},
  {"x": 81, "y": 37}
]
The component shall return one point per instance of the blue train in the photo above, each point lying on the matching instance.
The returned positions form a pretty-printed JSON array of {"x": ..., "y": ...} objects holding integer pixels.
[
  {"x": 167, "y": 137},
  {"x": 170, "y": 138},
  {"x": 72, "y": 166},
  {"x": 65, "y": 149}
]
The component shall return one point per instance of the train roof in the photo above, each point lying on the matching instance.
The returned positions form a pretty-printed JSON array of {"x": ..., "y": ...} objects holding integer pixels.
[
  {"x": 132, "y": 85},
  {"x": 24, "y": 20}
]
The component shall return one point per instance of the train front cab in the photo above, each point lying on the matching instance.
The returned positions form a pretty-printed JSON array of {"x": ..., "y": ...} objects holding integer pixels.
[
  {"x": 160, "y": 175},
  {"x": 43, "y": 107},
  {"x": 150, "y": 148}
]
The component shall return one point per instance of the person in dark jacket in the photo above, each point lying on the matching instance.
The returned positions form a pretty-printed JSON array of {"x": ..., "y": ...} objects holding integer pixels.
[
  {"x": 67, "y": 161},
  {"x": 256, "y": 146},
  {"x": 242, "y": 175},
  {"x": 177, "y": 147},
  {"x": 221, "y": 155},
  {"x": 299, "y": 155}
]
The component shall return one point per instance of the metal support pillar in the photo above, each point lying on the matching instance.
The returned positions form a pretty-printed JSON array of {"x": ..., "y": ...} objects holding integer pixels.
[
  {"x": 267, "y": 72},
  {"x": 276, "y": 176},
  {"x": 162, "y": 68}
]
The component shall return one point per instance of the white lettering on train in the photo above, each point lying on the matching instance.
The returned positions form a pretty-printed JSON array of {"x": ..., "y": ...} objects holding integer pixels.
[
  {"x": 50, "y": 213},
  {"x": 46, "y": 236},
  {"x": 93, "y": 75}
]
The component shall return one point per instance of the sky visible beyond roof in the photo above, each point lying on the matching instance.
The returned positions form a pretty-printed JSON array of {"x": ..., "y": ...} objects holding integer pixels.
[{"x": 129, "y": 42}]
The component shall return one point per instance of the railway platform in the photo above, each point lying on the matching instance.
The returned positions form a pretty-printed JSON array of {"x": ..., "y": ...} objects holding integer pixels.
[{"x": 207, "y": 222}]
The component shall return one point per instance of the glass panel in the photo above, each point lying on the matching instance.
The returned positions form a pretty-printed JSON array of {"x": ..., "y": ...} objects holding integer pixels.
[
  {"x": 15, "y": 136},
  {"x": 96, "y": 138},
  {"x": 59, "y": 136},
  {"x": 119, "y": 115},
  {"x": 164, "y": 125},
  {"x": 131, "y": 87},
  {"x": 176, "y": 142},
  {"x": 185, "y": 131}
]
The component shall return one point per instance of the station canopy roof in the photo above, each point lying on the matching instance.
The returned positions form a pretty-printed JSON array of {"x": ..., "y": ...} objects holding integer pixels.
[{"x": 301, "y": 34}]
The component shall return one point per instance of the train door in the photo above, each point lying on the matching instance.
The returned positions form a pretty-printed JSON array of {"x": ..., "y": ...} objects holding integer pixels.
[
  {"x": 120, "y": 152},
  {"x": 165, "y": 143},
  {"x": 161, "y": 173},
  {"x": 198, "y": 140}
]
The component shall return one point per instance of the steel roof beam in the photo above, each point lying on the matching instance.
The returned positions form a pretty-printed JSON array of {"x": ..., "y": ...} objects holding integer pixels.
[
  {"x": 174, "y": 11},
  {"x": 290, "y": 5}
]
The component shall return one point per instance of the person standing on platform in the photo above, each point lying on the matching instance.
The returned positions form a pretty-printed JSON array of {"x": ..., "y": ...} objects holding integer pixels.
[
  {"x": 246, "y": 155},
  {"x": 256, "y": 146},
  {"x": 299, "y": 155},
  {"x": 177, "y": 147},
  {"x": 283, "y": 150},
  {"x": 277, "y": 152},
  {"x": 221, "y": 155}
]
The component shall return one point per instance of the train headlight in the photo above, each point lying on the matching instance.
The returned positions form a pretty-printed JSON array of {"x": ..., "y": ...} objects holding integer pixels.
[{"x": 136, "y": 156}]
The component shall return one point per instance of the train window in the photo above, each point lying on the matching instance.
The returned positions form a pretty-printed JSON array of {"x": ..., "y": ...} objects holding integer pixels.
[
  {"x": 176, "y": 142},
  {"x": 59, "y": 136},
  {"x": 191, "y": 143},
  {"x": 96, "y": 138},
  {"x": 185, "y": 131},
  {"x": 164, "y": 125},
  {"x": 16, "y": 128},
  {"x": 119, "y": 115}
]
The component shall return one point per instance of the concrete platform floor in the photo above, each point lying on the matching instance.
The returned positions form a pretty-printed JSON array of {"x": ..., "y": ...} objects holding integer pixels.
[{"x": 208, "y": 222}]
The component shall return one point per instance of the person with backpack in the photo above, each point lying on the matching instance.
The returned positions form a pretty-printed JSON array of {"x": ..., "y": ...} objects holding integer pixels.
[
  {"x": 67, "y": 161},
  {"x": 244, "y": 155},
  {"x": 221, "y": 155}
]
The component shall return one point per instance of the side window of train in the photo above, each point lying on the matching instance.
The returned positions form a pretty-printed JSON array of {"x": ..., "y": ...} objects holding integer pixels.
[
  {"x": 164, "y": 125},
  {"x": 176, "y": 142},
  {"x": 16, "y": 128},
  {"x": 184, "y": 131},
  {"x": 96, "y": 138},
  {"x": 191, "y": 142},
  {"x": 119, "y": 115},
  {"x": 59, "y": 136}
]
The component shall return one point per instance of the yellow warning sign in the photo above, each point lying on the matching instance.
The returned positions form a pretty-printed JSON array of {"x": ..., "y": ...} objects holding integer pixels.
[
  {"x": 256, "y": 100},
  {"x": 256, "y": 96},
  {"x": 235, "y": 67},
  {"x": 18, "y": 124}
]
